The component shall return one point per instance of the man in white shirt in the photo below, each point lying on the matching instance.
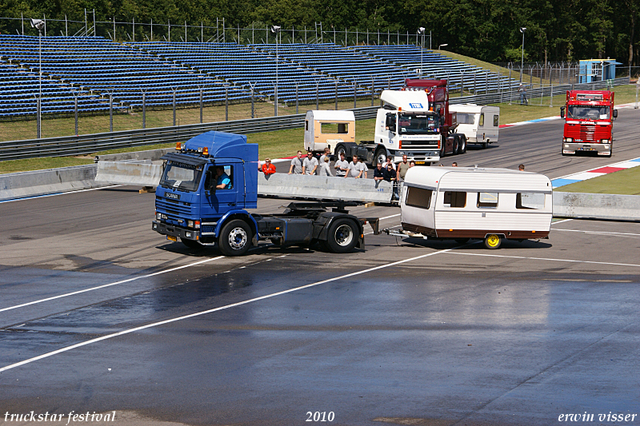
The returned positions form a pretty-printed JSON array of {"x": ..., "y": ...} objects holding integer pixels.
[
  {"x": 296, "y": 164},
  {"x": 341, "y": 166},
  {"x": 327, "y": 153},
  {"x": 310, "y": 164},
  {"x": 357, "y": 169}
]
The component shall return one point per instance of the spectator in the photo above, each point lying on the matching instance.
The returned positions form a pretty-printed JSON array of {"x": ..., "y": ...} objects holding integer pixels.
[
  {"x": 341, "y": 166},
  {"x": 325, "y": 170},
  {"x": 378, "y": 173},
  {"x": 296, "y": 164},
  {"x": 412, "y": 163},
  {"x": 327, "y": 154},
  {"x": 521, "y": 167},
  {"x": 390, "y": 175},
  {"x": 454, "y": 164},
  {"x": 388, "y": 163},
  {"x": 402, "y": 168},
  {"x": 310, "y": 164},
  {"x": 357, "y": 169},
  {"x": 267, "y": 167}
]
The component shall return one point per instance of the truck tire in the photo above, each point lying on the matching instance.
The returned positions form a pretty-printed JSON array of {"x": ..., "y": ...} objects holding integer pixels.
[
  {"x": 192, "y": 244},
  {"x": 379, "y": 157},
  {"x": 456, "y": 145},
  {"x": 493, "y": 241},
  {"x": 340, "y": 149},
  {"x": 235, "y": 238},
  {"x": 462, "y": 145},
  {"x": 342, "y": 236}
]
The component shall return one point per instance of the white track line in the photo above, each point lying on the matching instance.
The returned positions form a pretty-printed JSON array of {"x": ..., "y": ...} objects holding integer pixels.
[
  {"x": 73, "y": 293},
  {"x": 209, "y": 311},
  {"x": 593, "y": 262}
]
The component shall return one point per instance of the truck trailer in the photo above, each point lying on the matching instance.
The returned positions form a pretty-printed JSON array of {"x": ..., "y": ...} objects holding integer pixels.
[
  {"x": 209, "y": 183},
  {"x": 463, "y": 203}
]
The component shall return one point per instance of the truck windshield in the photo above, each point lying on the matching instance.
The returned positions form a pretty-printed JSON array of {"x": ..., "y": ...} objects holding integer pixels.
[
  {"x": 417, "y": 124},
  {"x": 184, "y": 177},
  {"x": 588, "y": 112}
]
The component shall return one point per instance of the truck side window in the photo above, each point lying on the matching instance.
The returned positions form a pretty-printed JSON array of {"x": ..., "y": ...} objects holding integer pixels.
[
  {"x": 418, "y": 197},
  {"x": 496, "y": 120},
  {"x": 213, "y": 178},
  {"x": 487, "y": 199},
  {"x": 455, "y": 199}
]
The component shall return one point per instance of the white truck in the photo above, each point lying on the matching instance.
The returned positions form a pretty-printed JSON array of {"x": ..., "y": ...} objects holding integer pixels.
[
  {"x": 407, "y": 124},
  {"x": 479, "y": 123},
  {"x": 463, "y": 203}
]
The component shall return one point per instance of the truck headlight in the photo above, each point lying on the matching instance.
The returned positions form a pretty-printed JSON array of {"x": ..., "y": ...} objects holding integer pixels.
[
  {"x": 604, "y": 141},
  {"x": 158, "y": 216},
  {"x": 189, "y": 224},
  {"x": 568, "y": 139}
]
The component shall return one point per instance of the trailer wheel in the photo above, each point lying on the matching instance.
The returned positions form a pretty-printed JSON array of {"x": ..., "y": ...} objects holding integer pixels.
[
  {"x": 380, "y": 157},
  {"x": 492, "y": 241},
  {"x": 456, "y": 145},
  {"x": 462, "y": 145},
  {"x": 192, "y": 244},
  {"x": 235, "y": 238},
  {"x": 342, "y": 236}
]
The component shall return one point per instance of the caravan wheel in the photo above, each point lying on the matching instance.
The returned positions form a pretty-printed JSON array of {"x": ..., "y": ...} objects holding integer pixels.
[{"x": 493, "y": 241}]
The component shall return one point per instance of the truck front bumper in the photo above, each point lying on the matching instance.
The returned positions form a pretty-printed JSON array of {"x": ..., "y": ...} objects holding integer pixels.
[
  {"x": 175, "y": 231},
  {"x": 574, "y": 147},
  {"x": 420, "y": 158}
]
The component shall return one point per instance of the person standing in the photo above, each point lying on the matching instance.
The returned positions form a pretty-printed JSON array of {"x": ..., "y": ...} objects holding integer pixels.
[
  {"x": 310, "y": 164},
  {"x": 327, "y": 154},
  {"x": 268, "y": 168},
  {"x": 341, "y": 166},
  {"x": 388, "y": 163},
  {"x": 357, "y": 169},
  {"x": 324, "y": 169},
  {"x": 296, "y": 164},
  {"x": 402, "y": 168}
]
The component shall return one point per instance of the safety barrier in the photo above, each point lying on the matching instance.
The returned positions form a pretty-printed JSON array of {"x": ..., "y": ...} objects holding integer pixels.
[{"x": 596, "y": 206}]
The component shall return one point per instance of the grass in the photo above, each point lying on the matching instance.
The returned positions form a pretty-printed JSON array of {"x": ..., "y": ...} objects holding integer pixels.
[
  {"x": 277, "y": 144},
  {"x": 625, "y": 182}
]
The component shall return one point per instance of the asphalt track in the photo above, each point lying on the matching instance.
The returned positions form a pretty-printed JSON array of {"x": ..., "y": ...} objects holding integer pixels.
[{"x": 99, "y": 314}]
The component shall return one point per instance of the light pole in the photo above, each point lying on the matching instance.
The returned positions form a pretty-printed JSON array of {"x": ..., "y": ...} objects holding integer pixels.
[
  {"x": 276, "y": 30},
  {"x": 421, "y": 31},
  {"x": 442, "y": 45},
  {"x": 522, "y": 30},
  {"x": 39, "y": 24}
]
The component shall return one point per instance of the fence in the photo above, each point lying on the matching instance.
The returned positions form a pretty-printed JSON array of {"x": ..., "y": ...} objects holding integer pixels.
[{"x": 88, "y": 144}]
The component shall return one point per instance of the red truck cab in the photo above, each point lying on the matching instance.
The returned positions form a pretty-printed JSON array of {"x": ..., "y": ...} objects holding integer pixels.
[{"x": 588, "y": 125}]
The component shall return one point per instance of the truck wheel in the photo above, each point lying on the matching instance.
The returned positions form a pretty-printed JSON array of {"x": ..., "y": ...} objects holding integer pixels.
[
  {"x": 342, "y": 236},
  {"x": 235, "y": 238},
  {"x": 456, "y": 145},
  {"x": 492, "y": 241},
  {"x": 380, "y": 157},
  {"x": 462, "y": 145},
  {"x": 191, "y": 243},
  {"x": 340, "y": 149},
  {"x": 610, "y": 152}
]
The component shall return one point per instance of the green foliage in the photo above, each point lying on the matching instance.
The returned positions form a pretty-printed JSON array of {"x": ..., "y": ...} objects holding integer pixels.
[{"x": 485, "y": 29}]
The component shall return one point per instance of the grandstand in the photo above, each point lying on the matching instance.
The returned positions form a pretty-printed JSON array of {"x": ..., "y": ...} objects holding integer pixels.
[{"x": 95, "y": 69}]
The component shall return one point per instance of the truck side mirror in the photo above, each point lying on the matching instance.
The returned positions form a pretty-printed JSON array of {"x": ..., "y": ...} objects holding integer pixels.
[
  {"x": 561, "y": 112},
  {"x": 615, "y": 113}
]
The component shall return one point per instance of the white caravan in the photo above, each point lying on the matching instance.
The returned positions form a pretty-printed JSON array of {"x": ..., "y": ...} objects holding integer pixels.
[
  {"x": 464, "y": 202},
  {"x": 478, "y": 122},
  {"x": 327, "y": 129}
]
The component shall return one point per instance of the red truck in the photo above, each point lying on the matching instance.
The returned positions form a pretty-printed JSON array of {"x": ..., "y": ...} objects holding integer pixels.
[
  {"x": 588, "y": 125},
  {"x": 438, "y": 95}
]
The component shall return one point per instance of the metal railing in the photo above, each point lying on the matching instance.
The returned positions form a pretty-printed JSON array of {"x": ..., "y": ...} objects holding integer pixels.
[{"x": 89, "y": 144}]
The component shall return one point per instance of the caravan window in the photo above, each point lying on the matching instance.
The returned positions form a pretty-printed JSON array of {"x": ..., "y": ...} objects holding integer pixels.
[
  {"x": 496, "y": 120},
  {"x": 334, "y": 128},
  {"x": 466, "y": 118},
  {"x": 481, "y": 120},
  {"x": 455, "y": 199},
  {"x": 418, "y": 197},
  {"x": 487, "y": 199},
  {"x": 530, "y": 200}
]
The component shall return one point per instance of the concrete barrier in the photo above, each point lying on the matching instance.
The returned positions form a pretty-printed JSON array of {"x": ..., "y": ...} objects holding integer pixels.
[
  {"x": 143, "y": 173},
  {"x": 596, "y": 206},
  {"x": 46, "y": 182},
  {"x": 324, "y": 187}
]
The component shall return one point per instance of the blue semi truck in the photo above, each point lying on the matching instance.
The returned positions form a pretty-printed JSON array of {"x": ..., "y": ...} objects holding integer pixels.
[{"x": 192, "y": 206}]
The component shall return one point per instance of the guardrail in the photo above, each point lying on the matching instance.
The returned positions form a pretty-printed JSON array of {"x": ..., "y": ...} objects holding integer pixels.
[{"x": 88, "y": 144}]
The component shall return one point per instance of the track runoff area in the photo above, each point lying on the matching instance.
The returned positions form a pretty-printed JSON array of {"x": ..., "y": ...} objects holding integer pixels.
[{"x": 523, "y": 296}]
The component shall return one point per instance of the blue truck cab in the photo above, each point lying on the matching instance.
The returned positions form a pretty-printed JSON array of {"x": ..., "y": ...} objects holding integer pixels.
[{"x": 209, "y": 183}]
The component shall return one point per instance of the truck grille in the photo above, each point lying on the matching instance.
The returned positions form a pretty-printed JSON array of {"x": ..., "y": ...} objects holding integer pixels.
[
  {"x": 588, "y": 133},
  {"x": 173, "y": 207},
  {"x": 419, "y": 144}
]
